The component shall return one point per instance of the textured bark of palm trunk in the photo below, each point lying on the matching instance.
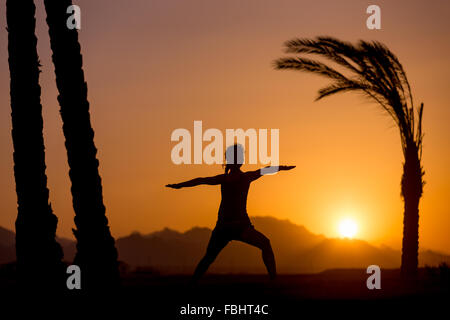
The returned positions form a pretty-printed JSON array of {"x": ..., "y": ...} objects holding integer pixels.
[
  {"x": 412, "y": 186},
  {"x": 410, "y": 246},
  {"x": 96, "y": 252},
  {"x": 39, "y": 256}
]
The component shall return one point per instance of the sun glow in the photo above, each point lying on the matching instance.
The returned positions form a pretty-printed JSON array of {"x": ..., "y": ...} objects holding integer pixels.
[{"x": 348, "y": 228}]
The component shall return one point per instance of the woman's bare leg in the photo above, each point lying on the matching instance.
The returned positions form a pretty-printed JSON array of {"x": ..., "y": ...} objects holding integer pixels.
[
  {"x": 257, "y": 239},
  {"x": 216, "y": 243}
]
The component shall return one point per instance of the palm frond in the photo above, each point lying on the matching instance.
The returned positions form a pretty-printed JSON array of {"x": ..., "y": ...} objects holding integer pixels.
[
  {"x": 325, "y": 47},
  {"x": 308, "y": 65}
]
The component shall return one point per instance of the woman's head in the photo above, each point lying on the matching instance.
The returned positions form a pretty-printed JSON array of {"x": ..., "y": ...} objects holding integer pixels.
[{"x": 234, "y": 157}]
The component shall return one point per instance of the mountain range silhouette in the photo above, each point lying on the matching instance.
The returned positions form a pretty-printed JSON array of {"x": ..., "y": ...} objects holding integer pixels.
[{"x": 297, "y": 250}]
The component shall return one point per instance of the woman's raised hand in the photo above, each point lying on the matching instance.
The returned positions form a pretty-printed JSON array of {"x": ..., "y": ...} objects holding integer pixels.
[
  {"x": 173, "y": 186},
  {"x": 286, "y": 167}
]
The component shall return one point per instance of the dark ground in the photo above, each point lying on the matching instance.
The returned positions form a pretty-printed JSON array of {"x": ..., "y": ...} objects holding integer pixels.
[
  {"x": 290, "y": 296},
  {"x": 340, "y": 293}
]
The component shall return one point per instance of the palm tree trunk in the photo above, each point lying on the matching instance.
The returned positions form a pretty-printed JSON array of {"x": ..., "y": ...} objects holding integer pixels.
[
  {"x": 39, "y": 256},
  {"x": 412, "y": 186},
  {"x": 96, "y": 252}
]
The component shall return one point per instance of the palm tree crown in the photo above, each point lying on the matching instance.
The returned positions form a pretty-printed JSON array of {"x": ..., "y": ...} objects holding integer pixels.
[{"x": 373, "y": 70}]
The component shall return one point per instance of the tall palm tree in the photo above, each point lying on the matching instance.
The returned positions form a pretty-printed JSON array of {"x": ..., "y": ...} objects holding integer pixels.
[
  {"x": 96, "y": 252},
  {"x": 372, "y": 69},
  {"x": 39, "y": 256}
]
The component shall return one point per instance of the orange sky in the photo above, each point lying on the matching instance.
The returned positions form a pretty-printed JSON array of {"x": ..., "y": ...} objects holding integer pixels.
[{"x": 154, "y": 66}]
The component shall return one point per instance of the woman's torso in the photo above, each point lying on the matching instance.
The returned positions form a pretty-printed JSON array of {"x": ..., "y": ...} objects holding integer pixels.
[{"x": 233, "y": 206}]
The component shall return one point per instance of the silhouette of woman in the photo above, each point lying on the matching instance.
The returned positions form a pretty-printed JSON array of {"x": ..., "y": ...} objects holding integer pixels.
[{"x": 233, "y": 222}]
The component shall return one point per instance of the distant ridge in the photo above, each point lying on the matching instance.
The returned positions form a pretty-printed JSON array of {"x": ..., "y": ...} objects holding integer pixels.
[{"x": 297, "y": 250}]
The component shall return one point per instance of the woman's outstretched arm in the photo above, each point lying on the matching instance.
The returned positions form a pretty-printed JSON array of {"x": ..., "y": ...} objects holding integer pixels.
[
  {"x": 197, "y": 181},
  {"x": 253, "y": 175}
]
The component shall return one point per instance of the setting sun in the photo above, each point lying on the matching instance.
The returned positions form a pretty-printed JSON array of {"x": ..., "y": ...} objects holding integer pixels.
[{"x": 348, "y": 228}]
